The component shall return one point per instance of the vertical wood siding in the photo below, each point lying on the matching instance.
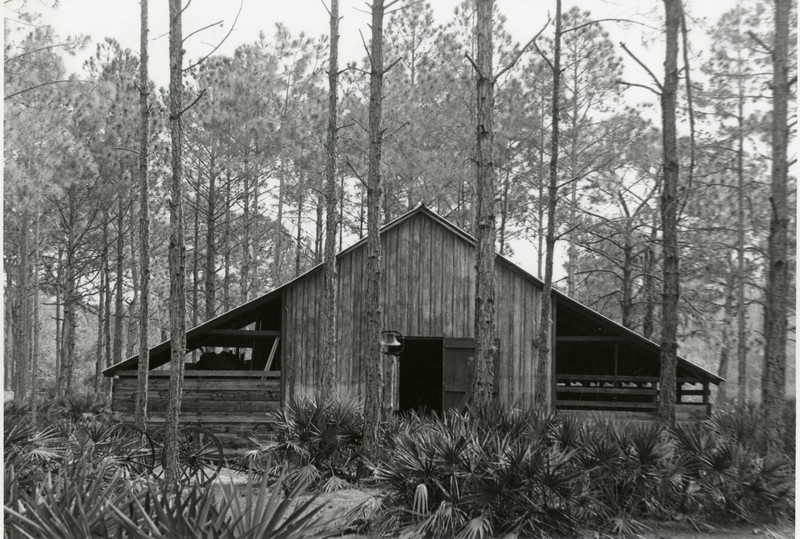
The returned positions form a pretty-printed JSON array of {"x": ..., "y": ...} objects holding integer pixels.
[{"x": 429, "y": 291}]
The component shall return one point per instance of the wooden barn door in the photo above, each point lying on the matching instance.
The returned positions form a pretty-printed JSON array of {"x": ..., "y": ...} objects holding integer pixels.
[{"x": 459, "y": 355}]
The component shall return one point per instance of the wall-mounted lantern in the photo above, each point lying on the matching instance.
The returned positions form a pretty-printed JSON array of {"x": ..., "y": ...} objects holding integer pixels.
[{"x": 392, "y": 342}]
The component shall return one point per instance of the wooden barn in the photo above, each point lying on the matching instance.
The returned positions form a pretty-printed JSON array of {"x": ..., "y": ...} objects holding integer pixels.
[{"x": 268, "y": 350}]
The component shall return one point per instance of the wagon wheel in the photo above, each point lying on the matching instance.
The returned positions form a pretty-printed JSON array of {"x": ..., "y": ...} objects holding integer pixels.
[
  {"x": 129, "y": 447},
  {"x": 200, "y": 455}
]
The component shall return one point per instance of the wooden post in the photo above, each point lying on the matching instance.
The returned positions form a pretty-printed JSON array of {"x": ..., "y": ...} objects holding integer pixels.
[{"x": 706, "y": 398}]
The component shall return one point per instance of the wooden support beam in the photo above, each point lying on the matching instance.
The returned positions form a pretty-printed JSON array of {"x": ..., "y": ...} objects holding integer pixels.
[
  {"x": 592, "y": 338},
  {"x": 272, "y": 354},
  {"x": 244, "y": 333}
]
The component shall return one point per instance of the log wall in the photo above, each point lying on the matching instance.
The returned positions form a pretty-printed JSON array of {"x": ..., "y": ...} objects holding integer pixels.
[
  {"x": 429, "y": 291},
  {"x": 233, "y": 404}
]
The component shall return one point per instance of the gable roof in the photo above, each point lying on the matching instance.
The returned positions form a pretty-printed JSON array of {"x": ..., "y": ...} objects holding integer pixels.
[{"x": 246, "y": 313}]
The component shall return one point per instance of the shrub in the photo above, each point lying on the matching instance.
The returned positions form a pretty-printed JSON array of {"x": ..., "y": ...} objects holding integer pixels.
[
  {"x": 500, "y": 471},
  {"x": 318, "y": 438},
  {"x": 488, "y": 471},
  {"x": 75, "y": 501}
]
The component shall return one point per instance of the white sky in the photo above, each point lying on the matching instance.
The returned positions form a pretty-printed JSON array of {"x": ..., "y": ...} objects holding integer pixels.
[{"x": 120, "y": 19}]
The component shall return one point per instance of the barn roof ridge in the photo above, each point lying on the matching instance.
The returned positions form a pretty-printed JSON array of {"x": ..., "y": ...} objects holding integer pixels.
[{"x": 422, "y": 209}]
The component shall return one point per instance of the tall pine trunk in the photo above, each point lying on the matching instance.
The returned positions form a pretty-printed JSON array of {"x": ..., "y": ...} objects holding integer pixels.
[
  {"x": 118, "y": 280},
  {"x": 140, "y": 409},
  {"x": 226, "y": 245},
  {"x": 649, "y": 283},
  {"x": 211, "y": 243},
  {"x": 100, "y": 362},
  {"x": 177, "y": 248},
  {"x": 371, "y": 353},
  {"x": 669, "y": 217},
  {"x": 22, "y": 341},
  {"x": 299, "y": 239},
  {"x": 727, "y": 337},
  {"x": 59, "y": 319},
  {"x": 328, "y": 370},
  {"x": 741, "y": 278},
  {"x": 244, "y": 286},
  {"x": 278, "y": 258},
  {"x": 485, "y": 348},
  {"x": 773, "y": 386},
  {"x": 131, "y": 339},
  {"x": 196, "y": 257},
  {"x": 543, "y": 362},
  {"x": 35, "y": 318}
]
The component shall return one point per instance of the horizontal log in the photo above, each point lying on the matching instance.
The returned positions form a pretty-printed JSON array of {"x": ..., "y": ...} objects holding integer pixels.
[
  {"x": 603, "y": 378},
  {"x": 592, "y": 338},
  {"x": 205, "y": 384},
  {"x": 205, "y": 419},
  {"x": 271, "y": 394},
  {"x": 205, "y": 374},
  {"x": 609, "y": 414},
  {"x": 690, "y": 406},
  {"x": 604, "y": 404},
  {"x": 160, "y": 407},
  {"x": 607, "y": 390},
  {"x": 620, "y": 378},
  {"x": 627, "y": 415}
]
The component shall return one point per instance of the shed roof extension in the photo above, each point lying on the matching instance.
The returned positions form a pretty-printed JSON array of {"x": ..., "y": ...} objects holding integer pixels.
[{"x": 247, "y": 313}]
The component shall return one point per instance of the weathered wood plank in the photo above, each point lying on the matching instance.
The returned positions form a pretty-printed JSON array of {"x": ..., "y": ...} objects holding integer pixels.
[
  {"x": 189, "y": 374},
  {"x": 437, "y": 278},
  {"x": 607, "y": 391},
  {"x": 415, "y": 288},
  {"x": 604, "y": 404},
  {"x": 424, "y": 328}
]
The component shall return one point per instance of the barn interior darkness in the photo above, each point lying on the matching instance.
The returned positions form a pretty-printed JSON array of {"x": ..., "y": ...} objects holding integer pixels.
[{"x": 420, "y": 386}]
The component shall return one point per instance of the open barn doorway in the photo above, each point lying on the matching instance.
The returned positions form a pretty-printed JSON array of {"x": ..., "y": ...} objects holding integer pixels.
[{"x": 420, "y": 386}]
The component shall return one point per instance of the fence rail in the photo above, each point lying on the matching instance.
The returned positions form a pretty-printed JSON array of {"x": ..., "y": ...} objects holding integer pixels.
[{"x": 632, "y": 393}]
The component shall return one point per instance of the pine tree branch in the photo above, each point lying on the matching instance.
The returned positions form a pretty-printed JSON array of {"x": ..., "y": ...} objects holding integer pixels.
[
  {"x": 630, "y": 21},
  {"x": 636, "y": 59},
  {"x": 545, "y": 58},
  {"x": 218, "y": 45},
  {"x": 633, "y": 84},
  {"x": 522, "y": 51},
  {"x": 9, "y": 96}
]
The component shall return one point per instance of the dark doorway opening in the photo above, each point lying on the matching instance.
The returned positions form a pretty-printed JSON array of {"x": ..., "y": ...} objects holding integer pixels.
[{"x": 421, "y": 375}]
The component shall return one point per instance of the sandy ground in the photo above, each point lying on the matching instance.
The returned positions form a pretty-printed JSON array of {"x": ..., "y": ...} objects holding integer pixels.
[{"x": 338, "y": 507}]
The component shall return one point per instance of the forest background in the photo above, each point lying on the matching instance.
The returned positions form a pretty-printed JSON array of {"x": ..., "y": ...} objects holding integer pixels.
[{"x": 254, "y": 155}]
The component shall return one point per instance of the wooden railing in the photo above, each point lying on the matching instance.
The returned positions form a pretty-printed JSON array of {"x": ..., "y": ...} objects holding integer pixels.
[{"x": 632, "y": 393}]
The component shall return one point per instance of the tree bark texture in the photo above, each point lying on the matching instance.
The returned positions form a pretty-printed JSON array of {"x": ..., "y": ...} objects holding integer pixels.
[
  {"x": 328, "y": 370},
  {"x": 140, "y": 411},
  {"x": 196, "y": 257},
  {"x": 485, "y": 347},
  {"x": 210, "y": 273},
  {"x": 371, "y": 353},
  {"x": 35, "y": 317},
  {"x": 177, "y": 247},
  {"x": 133, "y": 319},
  {"x": 226, "y": 246},
  {"x": 543, "y": 375},
  {"x": 100, "y": 362},
  {"x": 727, "y": 337},
  {"x": 245, "y": 273},
  {"x": 649, "y": 284},
  {"x": 773, "y": 385},
  {"x": 22, "y": 340},
  {"x": 741, "y": 278},
  {"x": 669, "y": 217},
  {"x": 118, "y": 279}
]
